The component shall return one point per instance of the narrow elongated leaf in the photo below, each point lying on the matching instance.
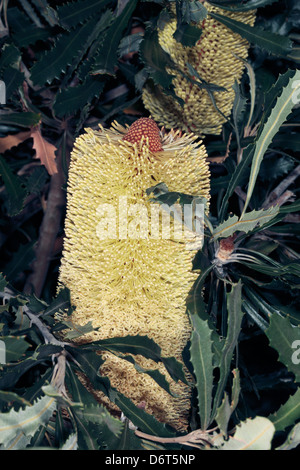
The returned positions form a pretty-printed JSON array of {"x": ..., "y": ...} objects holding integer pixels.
[
  {"x": 68, "y": 50},
  {"x": 288, "y": 413},
  {"x": 26, "y": 421},
  {"x": 156, "y": 60},
  {"x": 20, "y": 261},
  {"x": 144, "y": 346},
  {"x": 202, "y": 359},
  {"x": 15, "y": 347},
  {"x": 145, "y": 422},
  {"x": 284, "y": 105},
  {"x": 253, "y": 434},
  {"x": 107, "y": 57},
  {"x": 235, "y": 316},
  {"x": 249, "y": 221},
  {"x": 73, "y": 13},
  {"x": 72, "y": 99},
  {"x": 293, "y": 439},
  {"x": 273, "y": 43},
  {"x": 285, "y": 338},
  {"x": 249, "y": 5},
  {"x": 25, "y": 119},
  {"x": 15, "y": 190}
]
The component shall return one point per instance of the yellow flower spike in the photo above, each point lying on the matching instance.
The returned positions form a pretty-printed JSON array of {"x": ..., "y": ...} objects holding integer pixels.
[
  {"x": 215, "y": 58},
  {"x": 126, "y": 285}
]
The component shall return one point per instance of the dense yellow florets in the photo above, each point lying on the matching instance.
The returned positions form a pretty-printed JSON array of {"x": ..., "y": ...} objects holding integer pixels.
[
  {"x": 128, "y": 286},
  {"x": 217, "y": 59}
]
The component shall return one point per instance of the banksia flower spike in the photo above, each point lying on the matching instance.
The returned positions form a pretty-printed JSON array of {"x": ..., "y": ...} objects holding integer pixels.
[
  {"x": 121, "y": 277},
  {"x": 216, "y": 59}
]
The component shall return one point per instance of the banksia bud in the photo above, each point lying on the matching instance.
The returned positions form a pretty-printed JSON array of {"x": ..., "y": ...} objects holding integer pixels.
[
  {"x": 132, "y": 284},
  {"x": 216, "y": 59}
]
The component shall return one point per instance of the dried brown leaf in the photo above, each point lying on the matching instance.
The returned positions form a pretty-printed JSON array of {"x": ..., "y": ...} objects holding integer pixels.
[{"x": 45, "y": 151}]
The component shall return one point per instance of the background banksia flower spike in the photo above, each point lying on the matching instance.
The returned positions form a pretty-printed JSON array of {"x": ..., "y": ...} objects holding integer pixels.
[
  {"x": 216, "y": 58},
  {"x": 126, "y": 285}
]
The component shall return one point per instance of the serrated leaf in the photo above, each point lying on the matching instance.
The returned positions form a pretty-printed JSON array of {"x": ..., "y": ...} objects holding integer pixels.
[
  {"x": 288, "y": 413},
  {"x": 68, "y": 50},
  {"x": 293, "y": 439},
  {"x": 44, "y": 151},
  {"x": 130, "y": 43},
  {"x": 72, "y": 13},
  {"x": 234, "y": 321},
  {"x": 26, "y": 119},
  {"x": 15, "y": 347},
  {"x": 13, "y": 185},
  {"x": 107, "y": 57},
  {"x": 141, "y": 345},
  {"x": 227, "y": 406},
  {"x": 68, "y": 101},
  {"x": 187, "y": 34},
  {"x": 13, "y": 397},
  {"x": 97, "y": 414},
  {"x": 249, "y": 221},
  {"x": 283, "y": 107},
  {"x": 202, "y": 360},
  {"x": 271, "y": 42},
  {"x": 71, "y": 443},
  {"x": 285, "y": 338},
  {"x": 144, "y": 421},
  {"x": 20, "y": 261},
  {"x": 22, "y": 30},
  {"x": 238, "y": 6},
  {"x": 26, "y": 421},
  {"x": 156, "y": 60},
  {"x": 252, "y": 434},
  {"x": 37, "y": 180}
]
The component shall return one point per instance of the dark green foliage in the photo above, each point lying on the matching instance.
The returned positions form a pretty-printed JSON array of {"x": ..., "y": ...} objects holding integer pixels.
[{"x": 72, "y": 65}]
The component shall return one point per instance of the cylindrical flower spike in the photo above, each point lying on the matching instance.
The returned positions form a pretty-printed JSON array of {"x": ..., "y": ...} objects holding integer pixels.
[
  {"x": 121, "y": 276},
  {"x": 216, "y": 57}
]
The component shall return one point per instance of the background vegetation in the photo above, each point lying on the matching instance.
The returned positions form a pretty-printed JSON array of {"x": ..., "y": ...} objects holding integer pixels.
[{"x": 67, "y": 66}]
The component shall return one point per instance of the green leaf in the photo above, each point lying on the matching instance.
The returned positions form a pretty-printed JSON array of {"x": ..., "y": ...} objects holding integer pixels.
[
  {"x": 156, "y": 60},
  {"x": 20, "y": 261},
  {"x": 107, "y": 57},
  {"x": 25, "y": 421},
  {"x": 13, "y": 185},
  {"x": 247, "y": 223},
  {"x": 140, "y": 345},
  {"x": 285, "y": 338},
  {"x": 288, "y": 413},
  {"x": 226, "y": 407},
  {"x": 68, "y": 51},
  {"x": 72, "y": 13},
  {"x": 144, "y": 421},
  {"x": 271, "y": 42},
  {"x": 69, "y": 100},
  {"x": 293, "y": 439},
  {"x": 97, "y": 414},
  {"x": 239, "y": 6},
  {"x": 13, "y": 397},
  {"x": 23, "y": 31},
  {"x": 252, "y": 434},
  {"x": 234, "y": 322},
  {"x": 284, "y": 105},
  {"x": 25, "y": 119},
  {"x": 187, "y": 34},
  {"x": 15, "y": 347},
  {"x": 202, "y": 360}
]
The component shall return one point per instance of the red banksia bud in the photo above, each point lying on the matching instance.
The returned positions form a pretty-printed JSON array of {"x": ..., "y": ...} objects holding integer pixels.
[{"x": 142, "y": 129}]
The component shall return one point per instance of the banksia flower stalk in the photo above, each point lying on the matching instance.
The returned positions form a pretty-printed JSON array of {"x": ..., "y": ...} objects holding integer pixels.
[
  {"x": 126, "y": 281},
  {"x": 215, "y": 59}
]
